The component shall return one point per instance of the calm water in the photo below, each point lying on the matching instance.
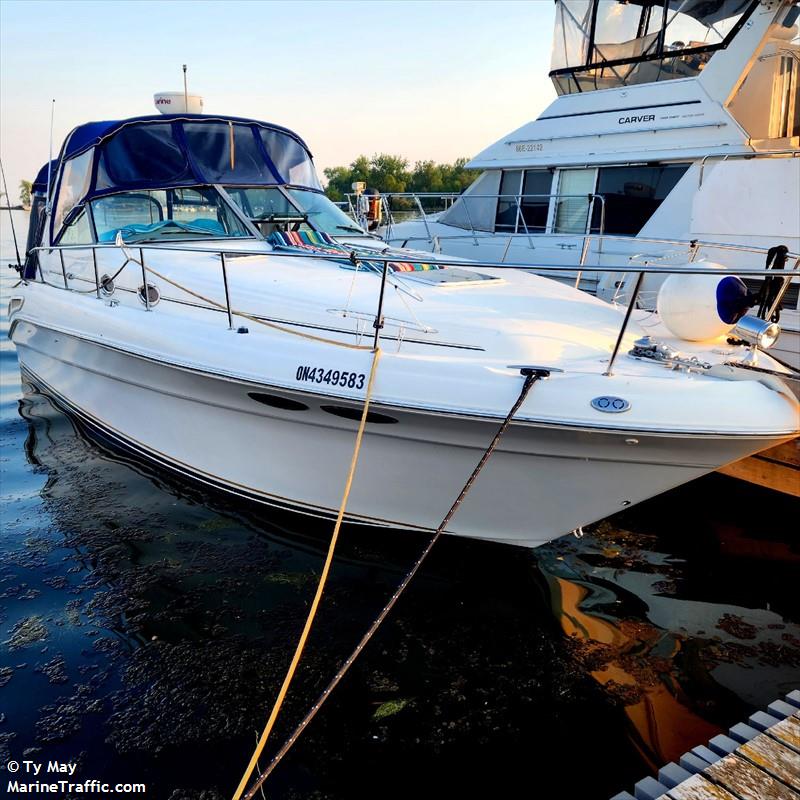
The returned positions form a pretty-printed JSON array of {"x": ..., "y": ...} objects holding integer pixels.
[{"x": 146, "y": 626}]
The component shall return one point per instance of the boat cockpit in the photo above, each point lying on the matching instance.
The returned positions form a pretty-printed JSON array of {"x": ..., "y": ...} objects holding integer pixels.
[
  {"x": 168, "y": 178},
  {"x": 603, "y": 44}
]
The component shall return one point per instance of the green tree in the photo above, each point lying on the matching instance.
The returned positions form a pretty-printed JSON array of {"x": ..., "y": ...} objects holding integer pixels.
[
  {"x": 390, "y": 173},
  {"x": 25, "y": 193}
]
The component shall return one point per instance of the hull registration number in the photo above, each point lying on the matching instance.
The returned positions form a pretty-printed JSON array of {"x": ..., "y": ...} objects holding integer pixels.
[{"x": 333, "y": 377}]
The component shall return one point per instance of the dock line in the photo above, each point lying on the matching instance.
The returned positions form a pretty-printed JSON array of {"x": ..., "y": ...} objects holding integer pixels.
[{"x": 532, "y": 375}]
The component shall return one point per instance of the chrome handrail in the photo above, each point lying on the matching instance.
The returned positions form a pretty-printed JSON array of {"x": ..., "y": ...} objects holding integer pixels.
[{"x": 642, "y": 270}]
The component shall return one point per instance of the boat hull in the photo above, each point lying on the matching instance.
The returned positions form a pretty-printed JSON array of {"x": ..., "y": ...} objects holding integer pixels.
[{"x": 543, "y": 481}]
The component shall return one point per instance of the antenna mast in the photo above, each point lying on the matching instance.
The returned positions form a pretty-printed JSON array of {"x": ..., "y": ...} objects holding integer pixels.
[
  {"x": 185, "y": 92},
  {"x": 50, "y": 160}
]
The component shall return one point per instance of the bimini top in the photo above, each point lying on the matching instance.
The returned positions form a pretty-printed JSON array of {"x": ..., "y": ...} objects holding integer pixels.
[{"x": 173, "y": 150}]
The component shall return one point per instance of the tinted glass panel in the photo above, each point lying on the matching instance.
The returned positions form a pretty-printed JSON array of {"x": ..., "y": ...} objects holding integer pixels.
[
  {"x": 535, "y": 199},
  {"x": 290, "y": 159},
  {"x": 227, "y": 153},
  {"x": 633, "y": 194},
  {"x": 507, "y": 204},
  {"x": 142, "y": 154}
]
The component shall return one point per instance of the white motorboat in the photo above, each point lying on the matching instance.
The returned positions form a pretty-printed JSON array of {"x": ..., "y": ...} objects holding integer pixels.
[
  {"x": 675, "y": 136},
  {"x": 191, "y": 293}
]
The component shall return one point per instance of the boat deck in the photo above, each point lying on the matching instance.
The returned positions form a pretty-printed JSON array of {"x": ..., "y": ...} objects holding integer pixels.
[{"x": 756, "y": 760}]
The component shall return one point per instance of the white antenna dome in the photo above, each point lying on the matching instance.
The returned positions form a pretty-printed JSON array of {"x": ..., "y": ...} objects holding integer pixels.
[{"x": 178, "y": 103}]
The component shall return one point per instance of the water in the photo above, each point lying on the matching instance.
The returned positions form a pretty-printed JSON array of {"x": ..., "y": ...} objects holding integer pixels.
[{"x": 146, "y": 626}]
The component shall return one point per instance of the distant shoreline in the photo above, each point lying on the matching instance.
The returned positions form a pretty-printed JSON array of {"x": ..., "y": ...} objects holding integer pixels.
[{"x": 12, "y": 208}]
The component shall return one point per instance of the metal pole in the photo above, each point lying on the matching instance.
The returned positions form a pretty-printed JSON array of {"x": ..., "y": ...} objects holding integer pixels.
[
  {"x": 96, "y": 274},
  {"x": 227, "y": 294},
  {"x": 378, "y": 324},
  {"x": 628, "y": 313},
  {"x": 786, "y": 281},
  {"x": 63, "y": 270},
  {"x": 469, "y": 219},
  {"x": 144, "y": 281},
  {"x": 586, "y": 240},
  {"x": 424, "y": 217}
]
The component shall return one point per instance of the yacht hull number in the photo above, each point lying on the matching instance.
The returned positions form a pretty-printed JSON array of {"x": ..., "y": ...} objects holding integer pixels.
[
  {"x": 333, "y": 377},
  {"x": 530, "y": 147}
]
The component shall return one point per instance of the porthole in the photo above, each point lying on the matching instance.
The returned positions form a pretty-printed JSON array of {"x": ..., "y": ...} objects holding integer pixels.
[
  {"x": 276, "y": 401},
  {"x": 153, "y": 295},
  {"x": 107, "y": 285},
  {"x": 355, "y": 414}
]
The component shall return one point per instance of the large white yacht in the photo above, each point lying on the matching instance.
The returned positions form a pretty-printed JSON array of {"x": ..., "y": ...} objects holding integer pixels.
[
  {"x": 676, "y": 121},
  {"x": 191, "y": 293}
]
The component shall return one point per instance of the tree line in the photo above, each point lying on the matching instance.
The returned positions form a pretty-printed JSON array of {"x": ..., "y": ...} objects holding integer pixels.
[{"x": 388, "y": 173}]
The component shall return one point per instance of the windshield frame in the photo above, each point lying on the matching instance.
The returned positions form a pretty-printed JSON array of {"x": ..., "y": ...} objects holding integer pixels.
[
  {"x": 660, "y": 54},
  {"x": 251, "y": 231},
  {"x": 304, "y": 216}
]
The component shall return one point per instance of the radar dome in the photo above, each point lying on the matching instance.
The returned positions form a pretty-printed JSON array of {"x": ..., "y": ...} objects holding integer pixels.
[{"x": 178, "y": 103}]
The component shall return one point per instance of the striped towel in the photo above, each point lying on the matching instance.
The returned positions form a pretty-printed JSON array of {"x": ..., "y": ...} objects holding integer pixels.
[{"x": 324, "y": 244}]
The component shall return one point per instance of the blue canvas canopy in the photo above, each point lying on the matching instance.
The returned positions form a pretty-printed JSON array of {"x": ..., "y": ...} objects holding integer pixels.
[{"x": 176, "y": 150}]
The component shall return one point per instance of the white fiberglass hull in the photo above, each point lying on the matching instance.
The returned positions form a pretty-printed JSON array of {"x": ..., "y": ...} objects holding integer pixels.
[{"x": 543, "y": 481}]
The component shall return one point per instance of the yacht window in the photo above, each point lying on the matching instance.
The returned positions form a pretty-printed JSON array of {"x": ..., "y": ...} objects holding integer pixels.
[
  {"x": 140, "y": 154},
  {"x": 227, "y": 152},
  {"x": 600, "y": 44},
  {"x": 536, "y": 188},
  {"x": 323, "y": 214},
  {"x": 187, "y": 213},
  {"x": 506, "y": 219},
  {"x": 78, "y": 232},
  {"x": 290, "y": 158},
  {"x": 74, "y": 185},
  {"x": 572, "y": 203},
  {"x": 632, "y": 195},
  {"x": 271, "y": 209}
]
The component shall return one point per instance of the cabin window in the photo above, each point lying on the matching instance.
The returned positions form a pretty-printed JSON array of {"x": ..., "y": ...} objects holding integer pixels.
[
  {"x": 573, "y": 201},
  {"x": 78, "y": 232},
  {"x": 74, "y": 186},
  {"x": 536, "y": 188},
  {"x": 142, "y": 154},
  {"x": 632, "y": 195},
  {"x": 161, "y": 215},
  {"x": 226, "y": 153},
  {"x": 510, "y": 184},
  {"x": 290, "y": 158}
]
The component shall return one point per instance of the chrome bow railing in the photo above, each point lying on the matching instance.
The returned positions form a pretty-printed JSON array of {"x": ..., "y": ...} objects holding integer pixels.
[{"x": 385, "y": 260}]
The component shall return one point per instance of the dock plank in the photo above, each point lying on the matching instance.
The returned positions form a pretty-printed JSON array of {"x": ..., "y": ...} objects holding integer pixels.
[
  {"x": 774, "y": 758},
  {"x": 698, "y": 788},
  {"x": 777, "y": 468},
  {"x": 747, "y": 781},
  {"x": 787, "y": 731}
]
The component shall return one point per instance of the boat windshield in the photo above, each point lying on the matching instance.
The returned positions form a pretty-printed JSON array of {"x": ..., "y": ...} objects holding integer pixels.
[
  {"x": 272, "y": 208},
  {"x": 601, "y": 44},
  {"x": 165, "y": 214}
]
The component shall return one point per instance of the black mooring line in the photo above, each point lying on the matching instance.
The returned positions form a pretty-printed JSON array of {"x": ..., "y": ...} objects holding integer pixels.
[{"x": 532, "y": 375}]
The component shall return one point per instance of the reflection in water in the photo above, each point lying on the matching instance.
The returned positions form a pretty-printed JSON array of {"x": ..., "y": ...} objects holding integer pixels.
[
  {"x": 146, "y": 626},
  {"x": 691, "y": 627}
]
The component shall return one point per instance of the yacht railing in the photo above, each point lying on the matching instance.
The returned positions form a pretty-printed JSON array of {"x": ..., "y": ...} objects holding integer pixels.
[
  {"x": 521, "y": 226},
  {"x": 746, "y": 156},
  {"x": 378, "y": 258}
]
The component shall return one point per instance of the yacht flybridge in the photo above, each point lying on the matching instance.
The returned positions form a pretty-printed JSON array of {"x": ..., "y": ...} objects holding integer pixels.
[
  {"x": 190, "y": 292},
  {"x": 675, "y": 136}
]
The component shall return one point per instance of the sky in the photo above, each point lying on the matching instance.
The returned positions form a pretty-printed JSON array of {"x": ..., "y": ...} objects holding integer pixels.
[{"x": 425, "y": 80}]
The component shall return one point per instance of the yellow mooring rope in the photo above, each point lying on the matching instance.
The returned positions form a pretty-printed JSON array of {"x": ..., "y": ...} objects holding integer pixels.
[
  {"x": 376, "y": 354},
  {"x": 532, "y": 374},
  {"x": 247, "y": 316}
]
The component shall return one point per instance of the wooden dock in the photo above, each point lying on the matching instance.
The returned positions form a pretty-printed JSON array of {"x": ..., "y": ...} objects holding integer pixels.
[
  {"x": 777, "y": 468},
  {"x": 757, "y": 760}
]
